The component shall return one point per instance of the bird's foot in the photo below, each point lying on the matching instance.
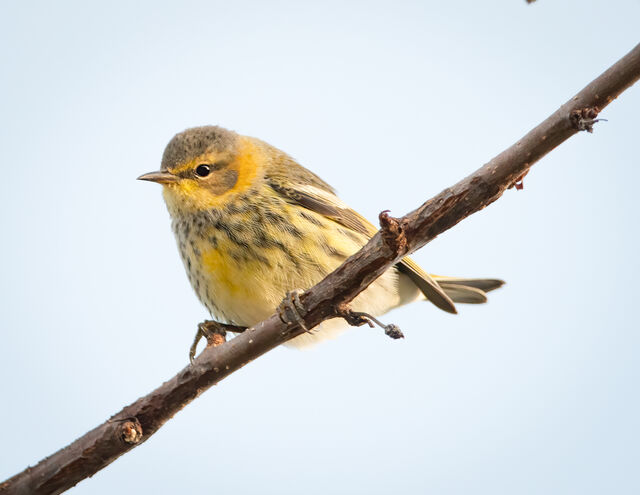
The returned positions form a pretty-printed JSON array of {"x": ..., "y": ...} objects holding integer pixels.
[
  {"x": 214, "y": 332},
  {"x": 291, "y": 309},
  {"x": 359, "y": 318}
]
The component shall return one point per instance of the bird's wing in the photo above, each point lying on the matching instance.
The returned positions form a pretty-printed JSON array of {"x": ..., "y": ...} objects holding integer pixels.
[{"x": 326, "y": 203}]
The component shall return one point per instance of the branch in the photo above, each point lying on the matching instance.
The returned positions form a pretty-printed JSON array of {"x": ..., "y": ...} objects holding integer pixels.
[{"x": 398, "y": 237}]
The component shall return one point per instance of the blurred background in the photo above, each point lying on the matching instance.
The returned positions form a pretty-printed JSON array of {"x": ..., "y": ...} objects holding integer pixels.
[{"x": 535, "y": 392}]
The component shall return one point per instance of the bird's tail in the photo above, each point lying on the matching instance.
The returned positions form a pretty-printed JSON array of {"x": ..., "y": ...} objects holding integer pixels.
[{"x": 467, "y": 290}]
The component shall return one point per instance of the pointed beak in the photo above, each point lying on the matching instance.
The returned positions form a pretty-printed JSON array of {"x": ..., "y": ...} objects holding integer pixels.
[{"x": 159, "y": 177}]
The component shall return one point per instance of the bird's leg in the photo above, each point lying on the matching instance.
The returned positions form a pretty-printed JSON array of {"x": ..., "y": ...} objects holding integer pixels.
[
  {"x": 359, "y": 318},
  {"x": 214, "y": 332},
  {"x": 291, "y": 305}
]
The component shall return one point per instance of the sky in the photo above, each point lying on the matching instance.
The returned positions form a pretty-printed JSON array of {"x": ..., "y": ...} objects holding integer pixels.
[{"x": 534, "y": 392}]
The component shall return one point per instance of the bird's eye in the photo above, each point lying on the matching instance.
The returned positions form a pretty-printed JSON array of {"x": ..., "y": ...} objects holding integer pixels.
[{"x": 203, "y": 170}]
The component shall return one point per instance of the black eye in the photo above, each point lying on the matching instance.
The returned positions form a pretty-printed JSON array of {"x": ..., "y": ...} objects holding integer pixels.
[{"x": 203, "y": 170}]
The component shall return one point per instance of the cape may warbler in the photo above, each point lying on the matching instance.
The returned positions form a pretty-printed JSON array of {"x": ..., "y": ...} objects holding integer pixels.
[{"x": 252, "y": 225}]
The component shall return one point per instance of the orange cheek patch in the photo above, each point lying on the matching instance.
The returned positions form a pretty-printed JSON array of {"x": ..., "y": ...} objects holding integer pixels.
[
  {"x": 247, "y": 163},
  {"x": 190, "y": 195}
]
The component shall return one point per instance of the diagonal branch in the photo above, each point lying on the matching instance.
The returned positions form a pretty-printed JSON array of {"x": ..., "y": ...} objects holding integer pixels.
[{"x": 138, "y": 421}]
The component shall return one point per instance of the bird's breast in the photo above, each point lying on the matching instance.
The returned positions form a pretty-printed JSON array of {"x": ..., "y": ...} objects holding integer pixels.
[{"x": 242, "y": 261}]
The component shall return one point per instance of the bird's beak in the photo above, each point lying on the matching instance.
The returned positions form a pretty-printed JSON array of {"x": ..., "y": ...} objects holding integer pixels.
[{"x": 159, "y": 177}]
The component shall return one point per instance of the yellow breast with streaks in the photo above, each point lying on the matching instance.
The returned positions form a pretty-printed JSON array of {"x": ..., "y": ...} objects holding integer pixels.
[{"x": 242, "y": 268}]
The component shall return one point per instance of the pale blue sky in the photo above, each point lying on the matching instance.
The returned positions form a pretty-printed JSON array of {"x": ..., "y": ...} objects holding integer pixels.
[{"x": 535, "y": 392}]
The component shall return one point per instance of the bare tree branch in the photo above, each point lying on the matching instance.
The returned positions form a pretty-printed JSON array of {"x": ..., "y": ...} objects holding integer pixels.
[{"x": 398, "y": 237}]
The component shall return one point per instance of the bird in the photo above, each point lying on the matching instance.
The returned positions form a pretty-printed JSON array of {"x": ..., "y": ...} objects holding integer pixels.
[{"x": 252, "y": 226}]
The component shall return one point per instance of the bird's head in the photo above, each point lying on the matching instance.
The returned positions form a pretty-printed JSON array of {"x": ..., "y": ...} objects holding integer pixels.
[{"x": 202, "y": 166}]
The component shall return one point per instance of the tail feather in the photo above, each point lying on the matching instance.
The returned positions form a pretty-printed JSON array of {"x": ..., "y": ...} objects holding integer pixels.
[
  {"x": 465, "y": 294},
  {"x": 427, "y": 285},
  {"x": 468, "y": 290}
]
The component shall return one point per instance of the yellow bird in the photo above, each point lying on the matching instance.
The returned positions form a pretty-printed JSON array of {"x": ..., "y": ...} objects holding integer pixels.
[{"x": 252, "y": 225}]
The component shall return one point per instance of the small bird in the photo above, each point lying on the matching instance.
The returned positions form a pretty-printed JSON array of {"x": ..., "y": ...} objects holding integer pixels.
[{"x": 252, "y": 225}]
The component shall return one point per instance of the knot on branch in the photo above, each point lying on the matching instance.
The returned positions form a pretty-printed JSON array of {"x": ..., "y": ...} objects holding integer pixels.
[
  {"x": 131, "y": 431},
  {"x": 393, "y": 234},
  {"x": 584, "y": 118}
]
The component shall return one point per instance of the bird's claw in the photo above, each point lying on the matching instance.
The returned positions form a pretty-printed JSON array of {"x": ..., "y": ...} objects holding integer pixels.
[
  {"x": 291, "y": 305},
  {"x": 213, "y": 331}
]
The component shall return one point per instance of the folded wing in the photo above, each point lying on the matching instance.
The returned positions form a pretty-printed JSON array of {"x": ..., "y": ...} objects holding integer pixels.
[{"x": 325, "y": 202}]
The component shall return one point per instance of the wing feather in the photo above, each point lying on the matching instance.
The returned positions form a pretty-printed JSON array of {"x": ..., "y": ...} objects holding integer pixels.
[{"x": 328, "y": 204}]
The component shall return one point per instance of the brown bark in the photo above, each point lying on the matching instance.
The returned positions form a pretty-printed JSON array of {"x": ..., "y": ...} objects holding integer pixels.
[{"x": 137, "y": 422}]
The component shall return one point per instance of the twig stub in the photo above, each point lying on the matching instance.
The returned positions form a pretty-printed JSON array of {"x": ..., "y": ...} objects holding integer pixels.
[
  {"x": 584, "y": 118},
  {"x": 393, "y": 233},
  {"x": 519, "y": 182}
]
